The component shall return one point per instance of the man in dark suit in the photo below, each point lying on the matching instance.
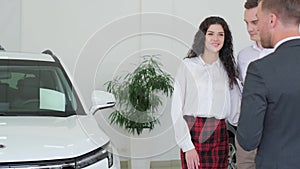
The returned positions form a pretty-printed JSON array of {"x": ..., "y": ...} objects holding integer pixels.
[{"x": 270, "y": 111}]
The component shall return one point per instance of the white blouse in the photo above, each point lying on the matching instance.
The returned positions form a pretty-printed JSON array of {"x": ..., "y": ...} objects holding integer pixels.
[{"x": 202, "y": 90}]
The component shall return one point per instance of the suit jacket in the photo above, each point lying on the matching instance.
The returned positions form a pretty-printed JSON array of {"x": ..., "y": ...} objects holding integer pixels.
[{"x": 270, "y": 108}]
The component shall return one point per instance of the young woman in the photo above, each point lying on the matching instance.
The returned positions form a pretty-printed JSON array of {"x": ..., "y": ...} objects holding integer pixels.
[{"x": 205, "y": 94}]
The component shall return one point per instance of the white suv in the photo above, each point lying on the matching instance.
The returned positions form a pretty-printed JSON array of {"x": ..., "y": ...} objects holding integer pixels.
[{"x": 43, "y": 124}]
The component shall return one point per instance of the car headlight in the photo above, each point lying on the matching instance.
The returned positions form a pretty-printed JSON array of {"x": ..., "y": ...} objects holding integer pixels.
[{"x": 95, "y": 156}]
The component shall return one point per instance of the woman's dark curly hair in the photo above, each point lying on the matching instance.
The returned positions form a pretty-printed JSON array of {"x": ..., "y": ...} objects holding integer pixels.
[{"x": 225, "y": 54}]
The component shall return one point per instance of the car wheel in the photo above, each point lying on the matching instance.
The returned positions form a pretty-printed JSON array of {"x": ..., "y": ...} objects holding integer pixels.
[
  {"x": 231, "y": 155},
  {"x": 231, "y": 130}
]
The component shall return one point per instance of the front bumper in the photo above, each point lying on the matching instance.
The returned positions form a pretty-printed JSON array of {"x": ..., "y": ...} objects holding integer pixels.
[{"x": 96, "y": 159}]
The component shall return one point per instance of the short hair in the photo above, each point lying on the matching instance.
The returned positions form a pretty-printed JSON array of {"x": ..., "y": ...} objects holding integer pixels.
[
  {"x": 287, "y": 10},
  {"x": 249, "y": 4}
]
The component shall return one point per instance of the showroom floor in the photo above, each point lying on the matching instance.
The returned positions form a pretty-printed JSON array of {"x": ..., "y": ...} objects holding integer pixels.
[{"x": 173, "y": 164}]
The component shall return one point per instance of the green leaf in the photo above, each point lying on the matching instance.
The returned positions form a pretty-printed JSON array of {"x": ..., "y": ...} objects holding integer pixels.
[{"x": 136, "y": 95}]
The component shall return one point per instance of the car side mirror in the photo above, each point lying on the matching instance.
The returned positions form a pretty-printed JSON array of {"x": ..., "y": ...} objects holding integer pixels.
[{"x": 101, "y": 100}]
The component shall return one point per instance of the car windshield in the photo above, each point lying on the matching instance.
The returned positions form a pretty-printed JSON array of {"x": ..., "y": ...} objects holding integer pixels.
[{"x": 36, "y": 88}]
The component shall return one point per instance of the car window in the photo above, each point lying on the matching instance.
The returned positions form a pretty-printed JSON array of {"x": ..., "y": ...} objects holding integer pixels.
[{"x": 39, "y": 89}]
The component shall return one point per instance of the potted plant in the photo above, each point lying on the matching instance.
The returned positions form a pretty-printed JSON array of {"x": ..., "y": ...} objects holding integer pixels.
[{"x": 138, "y": 95}]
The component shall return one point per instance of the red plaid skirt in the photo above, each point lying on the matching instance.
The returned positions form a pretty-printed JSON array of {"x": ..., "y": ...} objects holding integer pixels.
[{"x": 210, "y": 139}]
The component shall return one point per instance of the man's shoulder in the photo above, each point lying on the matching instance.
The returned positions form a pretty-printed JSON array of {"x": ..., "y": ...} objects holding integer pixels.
[
  {"x": 264, "y": 62},
  {"x": 248, "y": 54},
  {"x": 247, "y": 50}
]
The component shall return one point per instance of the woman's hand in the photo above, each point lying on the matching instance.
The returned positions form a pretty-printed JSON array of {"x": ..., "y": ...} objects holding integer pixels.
[{"x": 192, "y": 159}]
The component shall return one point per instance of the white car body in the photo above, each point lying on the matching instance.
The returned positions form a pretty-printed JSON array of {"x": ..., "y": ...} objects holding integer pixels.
[{"x": 55, "y": 142}]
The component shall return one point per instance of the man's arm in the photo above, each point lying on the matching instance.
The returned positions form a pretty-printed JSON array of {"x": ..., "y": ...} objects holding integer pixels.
[{"x": 253, "y": 108}]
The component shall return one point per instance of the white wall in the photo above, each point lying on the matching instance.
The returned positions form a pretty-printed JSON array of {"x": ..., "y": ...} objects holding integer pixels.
[
  {"x": 98, "y": 39},
  {"x": 10, "y": 24}
]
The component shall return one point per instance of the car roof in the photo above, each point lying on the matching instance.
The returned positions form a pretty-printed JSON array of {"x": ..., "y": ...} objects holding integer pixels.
[{"x": 26, "y": 56}]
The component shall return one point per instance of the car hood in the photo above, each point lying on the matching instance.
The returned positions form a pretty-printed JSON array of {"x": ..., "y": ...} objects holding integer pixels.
[{"x": 48, "y": 138}]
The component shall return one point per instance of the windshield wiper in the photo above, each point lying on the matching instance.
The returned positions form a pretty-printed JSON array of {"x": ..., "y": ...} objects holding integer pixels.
[{"x": 3, "y": 113}]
